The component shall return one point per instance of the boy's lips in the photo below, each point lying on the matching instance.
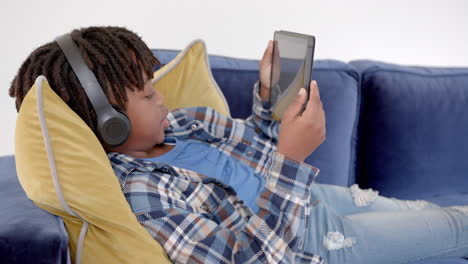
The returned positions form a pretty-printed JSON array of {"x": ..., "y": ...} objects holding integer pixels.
[{"x": 165, "y": 121}]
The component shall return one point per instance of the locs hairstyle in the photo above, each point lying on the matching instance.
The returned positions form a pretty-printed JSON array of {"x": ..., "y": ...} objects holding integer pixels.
[{"x": 115, "y": 55}]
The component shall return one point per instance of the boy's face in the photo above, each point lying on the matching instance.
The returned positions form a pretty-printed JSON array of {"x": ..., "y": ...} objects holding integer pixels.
[{"x": 147, "y": 115}]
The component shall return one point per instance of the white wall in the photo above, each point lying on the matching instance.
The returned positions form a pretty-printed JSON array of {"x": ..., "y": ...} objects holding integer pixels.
[{"x": 420, "y": 32}]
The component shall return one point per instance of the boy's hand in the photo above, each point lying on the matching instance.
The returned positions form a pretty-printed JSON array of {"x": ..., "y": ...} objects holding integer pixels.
[
  {"x": 300, "y": 135},
  {"x": 265, "y": 71}
]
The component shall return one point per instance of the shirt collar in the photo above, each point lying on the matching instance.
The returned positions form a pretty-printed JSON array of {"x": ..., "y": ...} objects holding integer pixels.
[{"x": 127, "y": 164}]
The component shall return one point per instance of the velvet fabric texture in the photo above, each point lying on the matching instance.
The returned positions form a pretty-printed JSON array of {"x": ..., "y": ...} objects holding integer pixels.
[
  {"x": 413, "y": 132},
  {"x": 28, "y": 234}
]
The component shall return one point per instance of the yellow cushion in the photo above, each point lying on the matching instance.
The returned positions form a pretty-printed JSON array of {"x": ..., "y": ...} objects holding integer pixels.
[
  {"x": 187, "y": 81},
  {"x": 86, "y": 180}
]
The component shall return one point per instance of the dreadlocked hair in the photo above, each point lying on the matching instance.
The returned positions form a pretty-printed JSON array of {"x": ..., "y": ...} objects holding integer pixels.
[{"x": 116, "y": 56}]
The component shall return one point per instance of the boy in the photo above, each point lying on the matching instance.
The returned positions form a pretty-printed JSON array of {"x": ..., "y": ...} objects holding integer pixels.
[{"x": 211, "y": 189}]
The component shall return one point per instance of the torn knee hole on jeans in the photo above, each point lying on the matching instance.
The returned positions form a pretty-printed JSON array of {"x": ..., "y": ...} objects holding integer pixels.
[
  {"x": 417, "y": 204},
  {"x": 460, "y": 209},
  {"x": 363, "y": 197},
  {"x": 336, "y": 240}
]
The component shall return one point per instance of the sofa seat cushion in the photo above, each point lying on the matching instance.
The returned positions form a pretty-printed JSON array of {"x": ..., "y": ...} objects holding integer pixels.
[
  {"x": 28, "y": 234},
  {"x": 413, "y": 130}
]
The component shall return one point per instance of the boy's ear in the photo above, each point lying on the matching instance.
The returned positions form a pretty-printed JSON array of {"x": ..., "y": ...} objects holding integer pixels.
[{"x": 184, "y": 88}]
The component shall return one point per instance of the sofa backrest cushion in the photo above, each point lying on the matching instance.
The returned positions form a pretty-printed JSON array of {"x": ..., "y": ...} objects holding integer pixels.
[
  {"x": 413, "y": 130},
  {"x": 338, "y": 84}
]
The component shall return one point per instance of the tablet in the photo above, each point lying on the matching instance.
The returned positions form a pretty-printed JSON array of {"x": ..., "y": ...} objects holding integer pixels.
[{"x": 292, "y": 61}]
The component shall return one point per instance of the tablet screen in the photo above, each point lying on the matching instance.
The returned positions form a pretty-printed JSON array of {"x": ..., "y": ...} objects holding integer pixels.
[{"x": 292, "y": 64}]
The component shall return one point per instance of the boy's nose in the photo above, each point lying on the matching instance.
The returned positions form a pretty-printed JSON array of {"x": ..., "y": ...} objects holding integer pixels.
[{"x": 160, "y": 96}]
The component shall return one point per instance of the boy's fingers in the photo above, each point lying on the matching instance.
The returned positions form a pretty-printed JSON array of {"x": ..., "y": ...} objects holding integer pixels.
[
  {"x": 314, "y": 87},
  {"x": 295, "y": 107},
  {"x": 267, "y": 53},
  {"x": 314, "y": 100}
]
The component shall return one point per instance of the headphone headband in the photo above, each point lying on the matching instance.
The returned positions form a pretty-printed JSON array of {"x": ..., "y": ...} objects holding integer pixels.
[
  {"x": 85, "y": 76},
  {"x": 113, "y": 127}
]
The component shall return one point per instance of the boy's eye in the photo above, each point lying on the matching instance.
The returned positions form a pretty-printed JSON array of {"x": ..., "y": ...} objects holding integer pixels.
[{"x": 149, "y": 96}]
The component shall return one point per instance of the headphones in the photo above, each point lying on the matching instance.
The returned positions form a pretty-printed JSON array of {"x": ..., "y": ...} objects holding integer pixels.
[{"x": 113, "y": 125}]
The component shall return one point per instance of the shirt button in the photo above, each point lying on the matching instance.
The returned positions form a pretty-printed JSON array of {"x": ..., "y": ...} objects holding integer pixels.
[
  {"x": 204, "y": 207},
  {"x": 165, "y": 169},
  {"x": 194, "y": 127},
  {"x": 249, "y": 153}
]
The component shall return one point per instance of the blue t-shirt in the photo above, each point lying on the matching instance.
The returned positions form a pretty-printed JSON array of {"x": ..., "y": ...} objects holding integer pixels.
[{"x": 200, "y": 157}]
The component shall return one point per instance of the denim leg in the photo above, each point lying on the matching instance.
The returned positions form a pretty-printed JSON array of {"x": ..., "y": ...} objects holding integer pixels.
[
  {"x": 399, "y": 237},
  {"x": 330, "y": 235},
  {"x": 387, "y": 236},
  {"x": 355, "y": 200}
]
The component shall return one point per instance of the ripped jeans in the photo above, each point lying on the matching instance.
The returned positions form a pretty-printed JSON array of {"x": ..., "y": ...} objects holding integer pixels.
[{"x": 355, "y": 226}]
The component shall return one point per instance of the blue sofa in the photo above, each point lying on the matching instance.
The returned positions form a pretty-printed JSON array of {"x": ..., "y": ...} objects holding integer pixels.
[{"x": 400, "y": 130}]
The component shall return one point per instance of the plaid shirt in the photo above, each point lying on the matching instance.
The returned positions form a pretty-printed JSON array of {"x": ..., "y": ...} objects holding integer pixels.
[{"x": 198, "y": 219}]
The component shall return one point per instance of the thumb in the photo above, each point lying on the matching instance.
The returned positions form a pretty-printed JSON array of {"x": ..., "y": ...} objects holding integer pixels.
[
  {"x": 267, "y": 54},
  {"x": 295, "y": 107}
]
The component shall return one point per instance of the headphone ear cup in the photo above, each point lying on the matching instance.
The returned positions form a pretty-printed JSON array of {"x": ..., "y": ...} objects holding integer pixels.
[{"x": 115, "y": 127}]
